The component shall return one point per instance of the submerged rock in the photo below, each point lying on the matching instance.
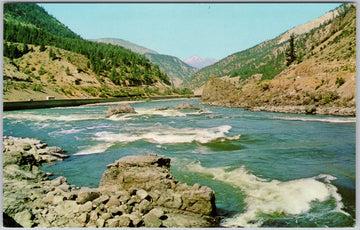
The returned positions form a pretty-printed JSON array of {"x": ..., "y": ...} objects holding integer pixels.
[
  {"x": 119, "y": 109},
  {"x": 162, "y": 108}
]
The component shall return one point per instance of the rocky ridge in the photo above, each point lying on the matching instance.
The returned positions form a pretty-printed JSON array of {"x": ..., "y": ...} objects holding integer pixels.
[{"x": 135, "y": 191}]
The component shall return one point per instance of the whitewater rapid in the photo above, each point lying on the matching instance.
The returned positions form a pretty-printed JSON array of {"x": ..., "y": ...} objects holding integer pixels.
[
  {"x": 299, "y": 155},
  {"x": 164, "y": 134},
  {"x": 263, "y": 197}
]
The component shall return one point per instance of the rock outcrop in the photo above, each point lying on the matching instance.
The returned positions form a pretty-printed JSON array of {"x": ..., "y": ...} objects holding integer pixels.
[
  {"x": 162, "y": 108},
  {"x": 271, "y": 96},
  {"x": 185, "y": 106},
  {"x": 150, "y": 175},
  {"x": 219, "y": 93},
  {"x": 119, "y": 109},
  {"x": 135, "y": 191}
]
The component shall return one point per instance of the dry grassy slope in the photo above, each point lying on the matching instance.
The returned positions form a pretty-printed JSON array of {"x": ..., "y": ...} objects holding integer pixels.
[
  {"x": 270, "y": 54},
  {"x": 53, "y": 79},
  {"x": 326, "y": 77},
  {"x": 329, "y": 69},
  {"x": 308, "y": 83},
  {"x": 35, "y": 76},
  {"x": 307, "y": 27}
]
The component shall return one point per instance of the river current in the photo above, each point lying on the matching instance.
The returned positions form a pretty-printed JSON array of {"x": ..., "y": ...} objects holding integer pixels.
[{"x": 267, "y": 169}]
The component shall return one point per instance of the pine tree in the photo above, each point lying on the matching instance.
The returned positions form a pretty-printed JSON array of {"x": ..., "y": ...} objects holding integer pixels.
[
  {"x": 290, "y": 53},
  {"x": 52, "y": 55},
  {"x": 67, "y": 71},
  {"x": 42, "y": 48},
  {"x": 25, "y": 49}
]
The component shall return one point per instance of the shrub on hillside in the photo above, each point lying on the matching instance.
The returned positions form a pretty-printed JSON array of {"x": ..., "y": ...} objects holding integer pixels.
[
  {"x": 37, "y": 87},
  {"x": 339, "y": 81}
]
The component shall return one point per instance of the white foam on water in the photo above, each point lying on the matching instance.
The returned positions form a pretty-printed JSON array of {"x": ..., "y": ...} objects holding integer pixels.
[
  {"x": 99, "y": 148},
  {"x": 328, "y": 119},
  {"x": 67, "y": 131},
  {"x": 70, "y": 131},
  {"x": 167, "y": 135},
  {"x": 202, "y": 150},
  {"x": 100, "y": 126},
  {"x": 122, "y": 117},
  {"x": 272, "y": 197},
  {"x": 154, "y": 112},
  {"x": 38, "y": 117},
  {"x": 164, "y": 113}
]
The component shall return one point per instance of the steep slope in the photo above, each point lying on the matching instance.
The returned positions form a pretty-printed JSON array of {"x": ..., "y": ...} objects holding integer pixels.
[
  {"x": 107, "y": 69},
  {"x": 126, "y": 44},
  {"x": 324, "y": 82},
  {"x": 37, "y": 74},
  {"x": 269, "y": 58},
  {"x": 198, "y": 62},
  {"x": 32, "y": 14},
  {"x": 176, "y": 69}
]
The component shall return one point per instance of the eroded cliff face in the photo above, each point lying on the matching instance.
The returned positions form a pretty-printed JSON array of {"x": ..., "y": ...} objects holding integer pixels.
[{"x": 135, "y": 191}]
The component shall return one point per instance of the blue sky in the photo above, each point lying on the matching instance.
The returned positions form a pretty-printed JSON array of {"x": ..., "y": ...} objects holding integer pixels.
[{"x": 211, "y": 30}]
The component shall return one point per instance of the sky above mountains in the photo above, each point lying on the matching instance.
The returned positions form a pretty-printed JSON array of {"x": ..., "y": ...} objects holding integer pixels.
[{"x": 183, "y": 30}]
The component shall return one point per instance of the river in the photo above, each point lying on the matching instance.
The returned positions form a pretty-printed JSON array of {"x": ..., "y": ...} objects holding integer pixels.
[{"x": 267, "y": 169}]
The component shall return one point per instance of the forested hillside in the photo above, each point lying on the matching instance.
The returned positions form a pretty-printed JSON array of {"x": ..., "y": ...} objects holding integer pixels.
[
  {"x": 26, "y": 36},
  {"x": 269, "y": 58},
  {"x": 32, "y": 14},
  {"x": 176, "y": 69}
]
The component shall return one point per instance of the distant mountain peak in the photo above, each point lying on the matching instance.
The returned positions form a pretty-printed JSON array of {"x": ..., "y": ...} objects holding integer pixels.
[{"x": 198, "y": 62}]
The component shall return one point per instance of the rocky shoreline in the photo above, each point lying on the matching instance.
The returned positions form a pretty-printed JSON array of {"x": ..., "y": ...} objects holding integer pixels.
[
  {"x": 253, "y": 97},
  {"x": 135, "y": 191},
  {"x": 294, "y": 109}
]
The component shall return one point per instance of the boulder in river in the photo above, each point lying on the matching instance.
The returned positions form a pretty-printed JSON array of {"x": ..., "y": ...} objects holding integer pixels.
[
  {"x": 135, "y": 191},
  {"x": 119, "y": 109},
  {"x": 185, "y": 106},
  {"x": 150, "y": 176},
  {"x": 162, "y": 108}
]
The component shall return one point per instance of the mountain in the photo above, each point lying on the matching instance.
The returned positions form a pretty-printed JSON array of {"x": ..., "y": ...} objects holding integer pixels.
[
  {"x": 43, "y": 57},
  {"x": 268, "y": 59},
  {"x": 126, "y": 44},
  {"x": 321, "y": 79},
  {"x": 198, "y": 62},
  {"x": 176, "y": 69}
]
